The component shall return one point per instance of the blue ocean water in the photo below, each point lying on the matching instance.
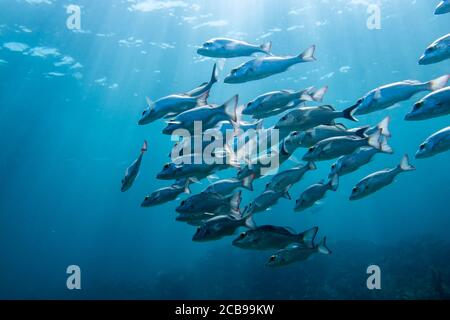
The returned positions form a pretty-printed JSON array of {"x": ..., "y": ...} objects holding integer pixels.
[{"x": 69, "y": 105}]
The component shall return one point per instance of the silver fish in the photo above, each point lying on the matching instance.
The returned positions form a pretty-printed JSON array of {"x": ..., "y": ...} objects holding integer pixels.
[
  {"x": 208, "y": 116},
  {"x": 222, "y": 226},
  {"x": 273, "y": 238},
  {"x": 264, "y": 67},
  {"x": 229, "y": 48},
  {"x": 378, "y": 180},
  {"x": 443, "y": 7},
  {"x": 179, "y": 169},
  {"x": 297, "y": 252},
  {"x": 289, "y": 177},
  {"x": 212, "y": 203},
  {"x": 332, "y": 148},
  {"x": 133, "y": 170},
  {"x": 266, "y": 200},
  {"x": 311, "y": 137},
  {"x": 388, "y": 95},
  {"x": 438, "y": 51},
  {"x": 435, "y": 104},
  {"x": 276, "y": 102},
  {"x": 315, "y": 193},
  {"x": 167, "y": 194},
  {"x": 171, "y": 106},
  {"x": 435, "y": 144},
  {"x": 305, "y": 118},
  {"x": 227, "y": 186},
  {"x": 352, "y": 162}
]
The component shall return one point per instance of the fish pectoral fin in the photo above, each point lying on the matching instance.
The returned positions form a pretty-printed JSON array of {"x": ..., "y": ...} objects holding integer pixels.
[
  {"x": 327, "y": 147},
  {"x": 377, "y": 94},
  {"x": 170, "y": 115},
  {"x": 173, "y": 122}
]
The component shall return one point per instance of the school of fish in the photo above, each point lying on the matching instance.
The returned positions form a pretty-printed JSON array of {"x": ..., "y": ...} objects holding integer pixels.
[{"x": 216, "y": 211}]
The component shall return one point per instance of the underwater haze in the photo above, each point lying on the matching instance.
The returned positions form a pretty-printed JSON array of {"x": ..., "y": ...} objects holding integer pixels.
[{"x": 70, "y": 102}]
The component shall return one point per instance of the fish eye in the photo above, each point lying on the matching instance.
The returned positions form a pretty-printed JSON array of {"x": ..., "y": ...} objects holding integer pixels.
[
  {"x": 355, "y": 189},
  {"x": 272, "y": 258},
  {"x": 284, "y": 118},
  {"x": 422, "y": 146},
  {"x": 147, "y": 197},
  {"x": 418, "y": 105},
  {"x": 143, "y": 113},
  {"x": 333, "y": 166},
  {"x": 166, "y": 166},
  {"x": 360, "y": 101},
  {"x": 312, "y": 149},
  {"x": 295, "y": 133},
  {"x": 242, "y": 235},
  {"x": 183, "y": 203},
  {"x": 430, "y": 49}
]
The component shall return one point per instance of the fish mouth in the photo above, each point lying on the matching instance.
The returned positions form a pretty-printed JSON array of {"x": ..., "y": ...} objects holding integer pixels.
[
  {"x": 420, "y": 155},
  {"x": 409, "y": 117},
  {"x": 202, "y": 51},
  {"x": 230, "y": 79},
  {"x": 423, "y": 60}
]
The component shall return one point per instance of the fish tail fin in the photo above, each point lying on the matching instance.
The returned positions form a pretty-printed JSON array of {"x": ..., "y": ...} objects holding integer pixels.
[
  {"x": 438, "y": 83},
  {"x": 247, "y": 183},
  {"x": 361, "y": 132},
  {"x": 375, "y": 140},
  {"x": 308, "y": 235},
  {"x": 230, "y": 108},
  {"x": 322, "y": 247},
  {"x": 405, "y": 165},
  {"x": 385, "y": 147},
  {"x": 144, "y": 146},
  {"x": 215, "y": 74},
  {"x": 266, "y": 47},
  {"x": 348, "y": 113},
  {"x": 312, "y": 165},
  {"x": 308, "y": 54},
  {"x": 187, "y": 190},
  {"x": 334, "y": 182},
  {"x": 318, "y": 95},
  {"x": 286, "y": 193},
  {"x": 202, "y": 100},
  {"x": 379, "y": 142},
  {"x": 384, "y": 127},
  {"x": 235, "y": 202},
  {"x": 249, "y": 222}
]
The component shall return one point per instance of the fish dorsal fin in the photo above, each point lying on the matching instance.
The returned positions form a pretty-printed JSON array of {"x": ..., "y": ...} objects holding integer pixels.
[
  {"x": 149, "y": 103},
  {"x": 377, "y": 94},
  {"x": 289, "y": 229},
  {"x": 341, "y": 126},
  {"x": 327, "y": 107}
]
